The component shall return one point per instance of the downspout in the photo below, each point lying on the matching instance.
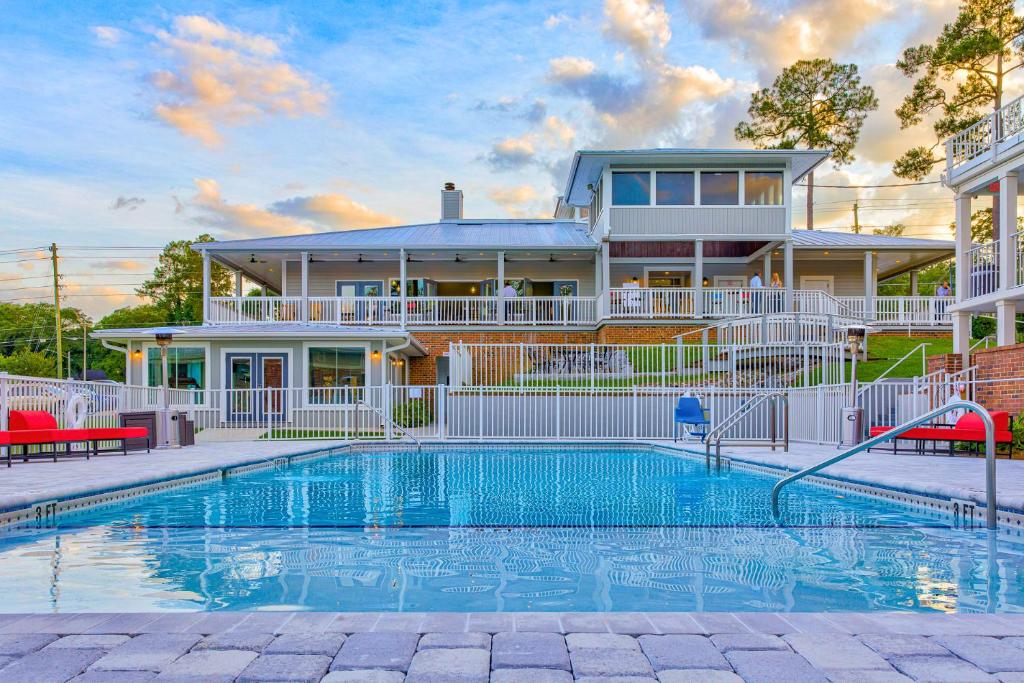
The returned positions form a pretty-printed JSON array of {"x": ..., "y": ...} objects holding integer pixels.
[
  {"x": 127, "y": 358},
  {"x": 388, "y": 350}
]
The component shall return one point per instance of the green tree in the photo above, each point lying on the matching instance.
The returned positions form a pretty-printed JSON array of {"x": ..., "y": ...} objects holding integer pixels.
[
  {"x": 112, "y": 362},
  {"x": 177, "y": 283},
  {"x": 981, "y": 226},
  {"x": 29, "y": 363},
  {"x": 894, "y": 230},
  {"x": 959, "y": 77},
  {"x": 814, "y": 104}
]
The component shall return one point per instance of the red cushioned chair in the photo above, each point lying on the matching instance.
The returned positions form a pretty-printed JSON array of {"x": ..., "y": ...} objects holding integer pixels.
[
  {"x": 39, "y": 428},
  {"x": 968, "y": 429}
]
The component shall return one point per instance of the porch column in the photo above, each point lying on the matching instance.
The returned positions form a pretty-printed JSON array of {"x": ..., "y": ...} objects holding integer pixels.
[
  {"x": 238, "y": 283},
  {"x": 304, "y": 313},
  {"x": 869, "y": 285},
  {"x": 1007, "y": 230},
  {"x": 206, "y": 286},
  {"x": 787, "y": 257},
  {"x": 766, "y": 280},
  {"x": 961, "y": 286},
  {"x": 606, "y": 274},
  {"x": 913, "y": 283},
  {"x": 402, "y": 287},
  {"x": 500, "y": 286},
  {"x": 698, "y": 278},
  {"x": 1006, "y": 323},
  {"x": 284, "y": 277}
]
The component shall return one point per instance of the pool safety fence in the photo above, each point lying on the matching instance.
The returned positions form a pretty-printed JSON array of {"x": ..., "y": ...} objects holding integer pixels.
[{"x": 502, "y": 412}]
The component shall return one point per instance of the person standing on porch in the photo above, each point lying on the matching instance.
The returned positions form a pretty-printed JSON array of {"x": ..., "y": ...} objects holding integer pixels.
[
  {"x": 755, "y": 297},
  {"x": 509, "y": 292},
  {"x": 943, "y": 289}
]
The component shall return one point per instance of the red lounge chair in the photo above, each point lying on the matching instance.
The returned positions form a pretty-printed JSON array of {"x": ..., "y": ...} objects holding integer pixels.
[
  {"x": 38, "y": 428},
  {"x": 968, "y": 428}
]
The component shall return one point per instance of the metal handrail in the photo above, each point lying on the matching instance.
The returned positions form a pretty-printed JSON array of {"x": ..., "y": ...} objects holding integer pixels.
[
  {"x": 394, "y": 425},
  {"x": 990, "y": 454},
  {"x": 892, "y": 367},
  {"x": 730, "y": 421}
]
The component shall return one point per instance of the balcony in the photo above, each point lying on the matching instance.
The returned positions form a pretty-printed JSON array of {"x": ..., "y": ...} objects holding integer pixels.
[
  {"x": 986, "y": 141},
  {"x": 621, "y": 304}
]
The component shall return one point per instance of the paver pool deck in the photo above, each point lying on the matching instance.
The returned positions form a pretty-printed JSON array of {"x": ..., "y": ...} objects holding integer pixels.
[{"x": 505, "y": 647}]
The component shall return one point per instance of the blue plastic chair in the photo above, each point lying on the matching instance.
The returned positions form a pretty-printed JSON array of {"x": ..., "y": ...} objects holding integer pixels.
[{"x": 689, "y": 412}]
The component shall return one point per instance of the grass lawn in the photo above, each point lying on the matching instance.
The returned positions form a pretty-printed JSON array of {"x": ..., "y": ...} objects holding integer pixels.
[{"x": 884, "y": 351}]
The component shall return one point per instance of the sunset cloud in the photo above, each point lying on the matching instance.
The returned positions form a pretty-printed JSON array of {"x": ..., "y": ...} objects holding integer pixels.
[
  {"x": 519, "y": 202},
  {"x": 224, "y": 77},
  {"x": 335, "y": 211}
]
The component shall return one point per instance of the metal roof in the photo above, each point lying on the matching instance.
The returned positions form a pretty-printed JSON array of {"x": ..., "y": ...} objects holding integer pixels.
[
  {"x": 454, "y": 234},
  {"x": 810, "y": 239},
  {"x": 587, "y": 164},
  {"x": 264, "y": 330}
]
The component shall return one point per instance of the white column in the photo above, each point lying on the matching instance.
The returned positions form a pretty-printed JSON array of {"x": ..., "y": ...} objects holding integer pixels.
[
  {"x": 962, "y": 287},
  {"x": 913, "y": 283},
  {"x": 403, "y": 287},
  {"x": 304, "y": 314},
  {"x": 767, "y": 268},
  {"x": 698, "y": 278},
  {"x": 962, "y": 336},
  {"x": 869, "y": 285},
  {"x": 787, "y": 257},
  {"x": 206, "y": 286},
  {"x": 238, "y": 283},
  {"x": 284, "y": 277},
  {"x": 1006, "y": 323},
  {"x": 606, "y": 268},
  {"x": 1007, "y": 228},
  {"x": 500, "y": 286}
]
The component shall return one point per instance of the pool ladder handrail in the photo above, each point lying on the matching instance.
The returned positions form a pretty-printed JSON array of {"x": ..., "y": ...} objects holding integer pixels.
[
  {"x": 718, "y": 432},
  {"x": 990, "y": 454},
  {"x": 394, "y": 425}
]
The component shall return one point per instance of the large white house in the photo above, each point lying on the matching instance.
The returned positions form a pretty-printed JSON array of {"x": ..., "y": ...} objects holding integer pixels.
[{"x": 644, "y": 245}]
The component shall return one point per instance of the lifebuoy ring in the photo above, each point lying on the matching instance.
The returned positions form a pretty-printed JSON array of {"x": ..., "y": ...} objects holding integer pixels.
[{"x": 76, "y": 411}]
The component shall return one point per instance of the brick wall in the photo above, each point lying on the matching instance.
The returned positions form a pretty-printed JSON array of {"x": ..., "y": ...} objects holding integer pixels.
[
  {"x": 947, "y": 362},
  {"x": 923, "y": 333},
  {"x": 1004, "y": 362},
  {"x": 647, "y": 334}
]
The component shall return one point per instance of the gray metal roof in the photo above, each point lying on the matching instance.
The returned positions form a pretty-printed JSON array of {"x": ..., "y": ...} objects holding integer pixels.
[
  {"x": 278, "y": 329},
  {"x": 810, "y": 239},
  {"x": 457, "y": 234}
]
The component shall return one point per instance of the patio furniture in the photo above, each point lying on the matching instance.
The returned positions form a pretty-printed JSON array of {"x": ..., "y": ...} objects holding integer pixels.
[
  {"x": 39, "y": 428},
  {"x": 968, "y": 429},
  {"x": 689, "y": 412}
]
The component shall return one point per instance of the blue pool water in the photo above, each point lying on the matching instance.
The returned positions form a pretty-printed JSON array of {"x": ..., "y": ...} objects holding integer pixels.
[{"x": 511, "y": 530}]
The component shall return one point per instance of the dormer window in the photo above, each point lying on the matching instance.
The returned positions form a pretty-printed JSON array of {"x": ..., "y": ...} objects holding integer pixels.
[
  {"x": 631, "y": 188},
  {"x": 719, "y": 188}
]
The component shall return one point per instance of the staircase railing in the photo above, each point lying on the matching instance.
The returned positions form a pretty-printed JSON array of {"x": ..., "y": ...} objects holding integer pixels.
[
  {"x": 895, "y": 432},
  {"x": 394, "y": 425},
  {"x": 728, "y": 423}
]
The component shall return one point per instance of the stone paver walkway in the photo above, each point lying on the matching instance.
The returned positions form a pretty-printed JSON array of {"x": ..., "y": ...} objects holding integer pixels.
[{"x": 511, "y": 648}]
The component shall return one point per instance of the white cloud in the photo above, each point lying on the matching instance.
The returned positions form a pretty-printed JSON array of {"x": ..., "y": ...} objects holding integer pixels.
[
  {"x": 226, "y": 77},
  {"x": 521, "y": 201},
  {"x": 555, "y": 20},
  {"x": 334, "y": 210},
  {"x": 570, "y": 68},
  {"x": 641, "y": 24},
  {"x": 107, "y": 36},
  {"x": 512, "y": 152}
]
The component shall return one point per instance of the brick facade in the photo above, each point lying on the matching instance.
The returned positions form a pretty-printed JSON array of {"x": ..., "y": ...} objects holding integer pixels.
[
  {"x": 947, "y": 362},
  {"x": 1003, "y": 362}
]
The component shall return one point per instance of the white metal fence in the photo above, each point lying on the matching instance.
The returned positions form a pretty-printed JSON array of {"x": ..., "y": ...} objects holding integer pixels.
[{"x": 983, "y": 269}]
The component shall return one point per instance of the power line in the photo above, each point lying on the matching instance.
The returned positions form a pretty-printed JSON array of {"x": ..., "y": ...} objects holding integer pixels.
[{"x": 867, "y": 187}]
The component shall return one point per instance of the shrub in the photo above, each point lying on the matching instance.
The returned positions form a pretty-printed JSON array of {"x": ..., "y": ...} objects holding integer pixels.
[
  {"x": 415, "y": 413},
  {"x": 982, "y": 327}
]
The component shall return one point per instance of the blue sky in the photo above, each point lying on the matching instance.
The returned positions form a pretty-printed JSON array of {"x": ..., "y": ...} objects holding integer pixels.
[{"x": 131, "y": 124}]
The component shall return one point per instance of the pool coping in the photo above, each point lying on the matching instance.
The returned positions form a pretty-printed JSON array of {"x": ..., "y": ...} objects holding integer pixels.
[{"x": 42, "y": 511}]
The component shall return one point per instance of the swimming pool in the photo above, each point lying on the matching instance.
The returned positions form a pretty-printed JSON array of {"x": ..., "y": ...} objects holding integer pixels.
[{"x": 510, "y": 529}]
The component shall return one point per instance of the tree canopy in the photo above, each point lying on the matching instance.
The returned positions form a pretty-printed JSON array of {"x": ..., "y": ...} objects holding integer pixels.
[
  {"x": 959, "y": 77},
  {"x": 813, "y": 104},
  {"x": 177, "y": 283}
]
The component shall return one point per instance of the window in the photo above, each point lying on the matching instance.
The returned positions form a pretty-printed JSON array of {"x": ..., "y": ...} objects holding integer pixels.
[
  {"x": 186, "y": 367},
  {"x": 337, "y": 368},
  {"x": 719, "y": 188},
  {"x": 674, "y": 188},
  {"x": 631, "y": 189},
  {"x": 762, "y": 188}
]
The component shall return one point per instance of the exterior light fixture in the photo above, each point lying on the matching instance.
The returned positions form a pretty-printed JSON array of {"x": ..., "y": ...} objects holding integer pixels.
[{"x": 375, "y": 354}]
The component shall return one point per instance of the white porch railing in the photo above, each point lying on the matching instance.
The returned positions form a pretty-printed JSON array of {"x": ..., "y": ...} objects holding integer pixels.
[
  {"x": 616, "y": 304},
  {"x": 983, "y": 269},
  {"x": 982, "y": 138}
]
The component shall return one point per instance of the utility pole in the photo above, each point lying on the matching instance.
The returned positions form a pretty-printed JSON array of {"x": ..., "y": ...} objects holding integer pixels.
[
  {"x": 56, "y": 309},
  {"x": 856, "y": 219}
]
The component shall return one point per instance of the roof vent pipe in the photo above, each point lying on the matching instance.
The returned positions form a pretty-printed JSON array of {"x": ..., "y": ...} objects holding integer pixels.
[{"x": 451, "y": 203}]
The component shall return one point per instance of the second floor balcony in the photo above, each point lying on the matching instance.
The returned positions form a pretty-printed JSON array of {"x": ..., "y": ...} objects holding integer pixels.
[{"x": 619, "y": 304}]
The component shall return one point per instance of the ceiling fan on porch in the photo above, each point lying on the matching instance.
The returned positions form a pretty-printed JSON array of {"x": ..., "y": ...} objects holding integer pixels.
[
  {"x": 552, "y": 259},
  {"x": 253, "y": 259},
  {"x": 410, "y": 259},
  {"x": 458, "y": 259},
  {"x": 364, "y": 260}
]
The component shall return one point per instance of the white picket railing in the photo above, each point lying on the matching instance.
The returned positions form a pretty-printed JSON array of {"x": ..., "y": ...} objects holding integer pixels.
[
  {"x": 983, "y": 269},
  {"x": 982, "y": 138},
  {"x": 900, "y": 310}
]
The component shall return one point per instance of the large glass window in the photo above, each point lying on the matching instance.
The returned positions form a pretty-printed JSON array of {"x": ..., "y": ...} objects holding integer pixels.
[
  {"x": 719, "y": 188},
  {"x": 762, "y": 188},
  {"x": 674, "y": 188},
  {"x": 186, "y": 367},
  {"x": 631, "y": 189},
  {"x": 335, "y": 368}
]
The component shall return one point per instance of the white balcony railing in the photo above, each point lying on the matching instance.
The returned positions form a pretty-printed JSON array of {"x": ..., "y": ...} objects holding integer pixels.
[
  {"x": 615, "y": 304},
  {"x": 984, "y": 136},
  {"x": 983, "y": 269}
]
